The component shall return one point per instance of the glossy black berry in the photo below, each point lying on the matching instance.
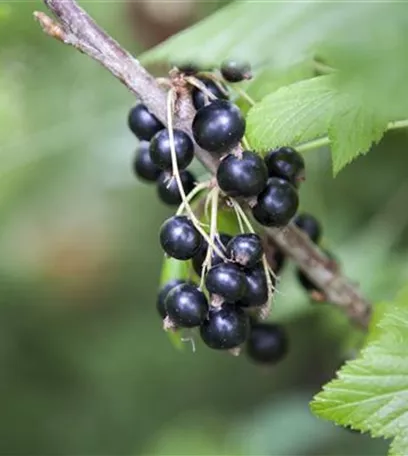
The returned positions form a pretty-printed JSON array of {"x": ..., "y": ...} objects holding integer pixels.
[
  {"x": 244, "y": 176},
  {"x": 267, "y": 343},
  {"x": 226, "y": 280},
  {"x": 277, "y": 204},
  {"x": 186, "y": 306},
  {"x": 179, "y": 238},
  {"x": 164, "y": 291},
  {"x": 143, "y": 166},
  {"x": 143, "y": 123},
  {"x": 226, "y": 327},
  {"x": 286, "y": 163},
  {"x": 245, "y": 249},
  {"x": 218, "y": 126},
  {"x": 188, "y": 68},
  {"x": 200, "y": 98},
  {"x": 160, "y": 151},
  {"x": 310, "y": 225},
  {"x": 235, "y": 71},
  {"x": 256, "y": 288},
  {"x": 168, "y": 190},
  {"x": 221, "y": 242}
]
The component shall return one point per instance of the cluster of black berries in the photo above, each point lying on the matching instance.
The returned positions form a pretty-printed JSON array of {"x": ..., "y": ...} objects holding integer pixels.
[
  {"x": 153, "y": 158},
  {"x": 236, "y": 287},
  {"x": 237, "y": 284}
]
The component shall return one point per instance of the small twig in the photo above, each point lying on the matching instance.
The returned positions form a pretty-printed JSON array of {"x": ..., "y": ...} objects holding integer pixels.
[{"x": 76, "y": 28}]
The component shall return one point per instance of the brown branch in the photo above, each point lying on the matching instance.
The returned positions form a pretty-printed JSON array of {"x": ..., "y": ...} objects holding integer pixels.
[{"x": 76, "y": 28}]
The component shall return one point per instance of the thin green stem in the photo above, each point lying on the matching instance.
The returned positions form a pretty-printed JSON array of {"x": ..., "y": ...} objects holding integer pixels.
[
  {"x": 176, "y": 173},
  {"x": 213, "y": 231},
  {"x": 325, "y": 141},
  {"x": 245, "y": 96},
  {"x": 197, "y": 189}
]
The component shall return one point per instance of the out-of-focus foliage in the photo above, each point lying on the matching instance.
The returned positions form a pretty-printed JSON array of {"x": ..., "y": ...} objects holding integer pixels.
[{"x": 86, "y": 367}]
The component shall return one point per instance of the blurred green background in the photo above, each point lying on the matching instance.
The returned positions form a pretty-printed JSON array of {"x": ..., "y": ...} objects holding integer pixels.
[{"x": 85, "y": 367}]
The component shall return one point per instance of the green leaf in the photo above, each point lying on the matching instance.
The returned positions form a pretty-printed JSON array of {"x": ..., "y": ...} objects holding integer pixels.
[
  {"x": 311, "y": 109},
  {"x": 371, "y": 392}
]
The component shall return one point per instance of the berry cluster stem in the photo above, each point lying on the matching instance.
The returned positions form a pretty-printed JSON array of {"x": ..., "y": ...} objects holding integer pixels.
[
  {"x": 176, "y": 173},
  {"x": 73, "y": 26}
]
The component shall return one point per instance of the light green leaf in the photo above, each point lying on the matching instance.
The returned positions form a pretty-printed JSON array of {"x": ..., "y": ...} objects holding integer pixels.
[
  {"x": 371, "y": 392},
  {"x": 311, "y": 109}
]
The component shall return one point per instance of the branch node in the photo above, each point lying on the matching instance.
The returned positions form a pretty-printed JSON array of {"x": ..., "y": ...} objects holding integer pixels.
[{"x": 50, "y": 27}]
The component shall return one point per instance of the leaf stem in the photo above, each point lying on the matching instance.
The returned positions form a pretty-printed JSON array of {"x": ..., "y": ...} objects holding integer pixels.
[{"x": 325, "y": 140}]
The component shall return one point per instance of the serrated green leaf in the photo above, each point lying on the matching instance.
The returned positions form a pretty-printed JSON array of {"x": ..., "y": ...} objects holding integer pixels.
[
  {"x": 371, "y": 392},
  {"x": 311, "y": 109}
]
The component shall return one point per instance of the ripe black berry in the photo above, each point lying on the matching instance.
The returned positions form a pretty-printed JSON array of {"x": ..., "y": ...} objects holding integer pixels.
[
  {"x": 244, "y": 176},
  {"x": 277, "y": 204},
  {"x": 218, "y": 126},
  {"x": 226, "y": 327},
  {"x": 179, "y": 238},
  {"x": 200, "y": 98},
  {"x": 163, "y": 295},
  {"x": 221, "y": 242},
  {"x": 286, "y": 163},
  {"x": 310, "y": 225},
  {"x": 226, "y": 280},
  {"x": 186, "y": 306},
  {"x": 160, "y": 151},
  {"x": 168, "y": 190},
  {"x": 245, "y": 249},
  {"x": 267, "y": 343},
  {"x": 143, "y": 166},
  {"x": 188, "y": 68},
  {"x": 257, "y": 288},
  {"x": 234, "y": 71},
  {"x": 143, "y": 123}
]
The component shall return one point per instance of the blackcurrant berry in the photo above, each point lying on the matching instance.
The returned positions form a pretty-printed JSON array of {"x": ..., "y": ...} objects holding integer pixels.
[
  {"x": 179, "y": 238},
  {"x": 310, "y": 225},
  {"x": 226, "y": 280},
  {"x": 186, "y": 306},
  {"x": 226, "y": 327},
  {"x": 244, "y": 176},
  {"x": 164, "y": 291},
  {"x": 218, "y": 126},
  {"x": 221, "y": 242},
  {"x": 143, "y": 123},
  {"x": 200, "y": 98},
  {"x": 256, "y": 288},
  {"x": 277, "y": 204},
  {"x": 286, "y": 163},
  {"x": 188, "y": 68},
  {"x": 235, "y": 71},
  {"x": 160, "y": 151},
  {"x": 168, "y": 190},
  {"x": 143, "y": 166},
  {"x": 245, "y": 249},
  {"x": 267, "y": 343}
]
